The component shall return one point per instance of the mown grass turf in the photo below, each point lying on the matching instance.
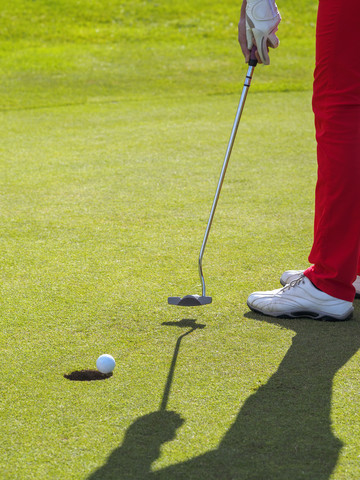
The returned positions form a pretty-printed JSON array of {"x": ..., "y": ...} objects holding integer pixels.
[
  {"x": 114, "y": 122},
  {"x": 68, "y": 52}
]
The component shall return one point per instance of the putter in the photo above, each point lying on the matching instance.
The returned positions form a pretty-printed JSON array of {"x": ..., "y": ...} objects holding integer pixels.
[{"x": 196, "y": 300}]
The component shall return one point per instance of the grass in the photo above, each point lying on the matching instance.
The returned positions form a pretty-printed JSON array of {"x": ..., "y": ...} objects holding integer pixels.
[
  {"x": 114, "y": 122},
  {"x": 56, "y": 53}
]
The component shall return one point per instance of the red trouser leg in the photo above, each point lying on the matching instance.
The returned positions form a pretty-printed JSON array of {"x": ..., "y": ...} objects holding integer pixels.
[{"x": 336, "y": 102}]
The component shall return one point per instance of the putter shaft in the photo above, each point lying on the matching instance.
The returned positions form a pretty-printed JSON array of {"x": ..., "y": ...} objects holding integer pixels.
[{"x": 224, "y": 167}]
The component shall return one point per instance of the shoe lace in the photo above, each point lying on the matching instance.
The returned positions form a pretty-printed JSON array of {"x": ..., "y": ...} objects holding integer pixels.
[{"x": 294, "y": 283}]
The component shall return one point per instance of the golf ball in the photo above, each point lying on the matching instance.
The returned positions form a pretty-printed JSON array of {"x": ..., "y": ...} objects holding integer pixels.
[{"x": 105, "y": 363}]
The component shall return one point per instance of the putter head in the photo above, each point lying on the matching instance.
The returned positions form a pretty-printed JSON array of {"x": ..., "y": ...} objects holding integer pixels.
[{"x": 189, "y": 301}]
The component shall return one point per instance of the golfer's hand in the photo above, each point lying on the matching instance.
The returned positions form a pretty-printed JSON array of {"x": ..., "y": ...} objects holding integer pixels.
[{"x": 258, "y": 24}]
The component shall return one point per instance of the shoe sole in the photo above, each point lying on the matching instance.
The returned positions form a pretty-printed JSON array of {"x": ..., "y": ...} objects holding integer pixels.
[
  {"x": 357, "y": 295},
  {"x": 300, "y": 314}
]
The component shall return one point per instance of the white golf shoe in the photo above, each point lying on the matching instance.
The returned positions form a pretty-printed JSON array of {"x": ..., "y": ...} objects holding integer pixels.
[
  {"x": 300, "y": 298},
  {"x": 291, "y": 275}
]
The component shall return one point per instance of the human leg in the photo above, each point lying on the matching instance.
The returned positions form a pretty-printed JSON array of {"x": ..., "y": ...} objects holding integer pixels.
[{"x": 336, "y": 249}]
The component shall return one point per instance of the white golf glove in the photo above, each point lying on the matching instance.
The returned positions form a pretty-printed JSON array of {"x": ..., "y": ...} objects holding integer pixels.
[{"x": 262, "y": 20}]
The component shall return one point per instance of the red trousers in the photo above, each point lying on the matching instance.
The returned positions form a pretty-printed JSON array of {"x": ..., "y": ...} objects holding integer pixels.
[{"x": 335, "y": 254}]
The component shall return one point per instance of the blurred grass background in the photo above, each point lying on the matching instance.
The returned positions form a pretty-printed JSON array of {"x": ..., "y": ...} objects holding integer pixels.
[{"x": 70, "y": 52}]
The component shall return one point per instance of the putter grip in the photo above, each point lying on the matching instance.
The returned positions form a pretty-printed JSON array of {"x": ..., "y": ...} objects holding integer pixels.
[{"x": 253, "y": 60}]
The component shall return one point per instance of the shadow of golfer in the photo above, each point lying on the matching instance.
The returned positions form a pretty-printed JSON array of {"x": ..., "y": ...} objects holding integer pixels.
[
  {"x": 283, "y": 431},
  {"x": 140, "y": 448}
]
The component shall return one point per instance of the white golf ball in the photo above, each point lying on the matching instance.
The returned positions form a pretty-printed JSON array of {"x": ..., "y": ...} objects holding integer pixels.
[{"x": 105, "y": 363}]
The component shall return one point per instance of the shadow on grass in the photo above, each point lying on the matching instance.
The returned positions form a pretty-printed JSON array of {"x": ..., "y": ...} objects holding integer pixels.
[
  {"x": 283, "y": 431},
  {"x": 185, "y": 323}
]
